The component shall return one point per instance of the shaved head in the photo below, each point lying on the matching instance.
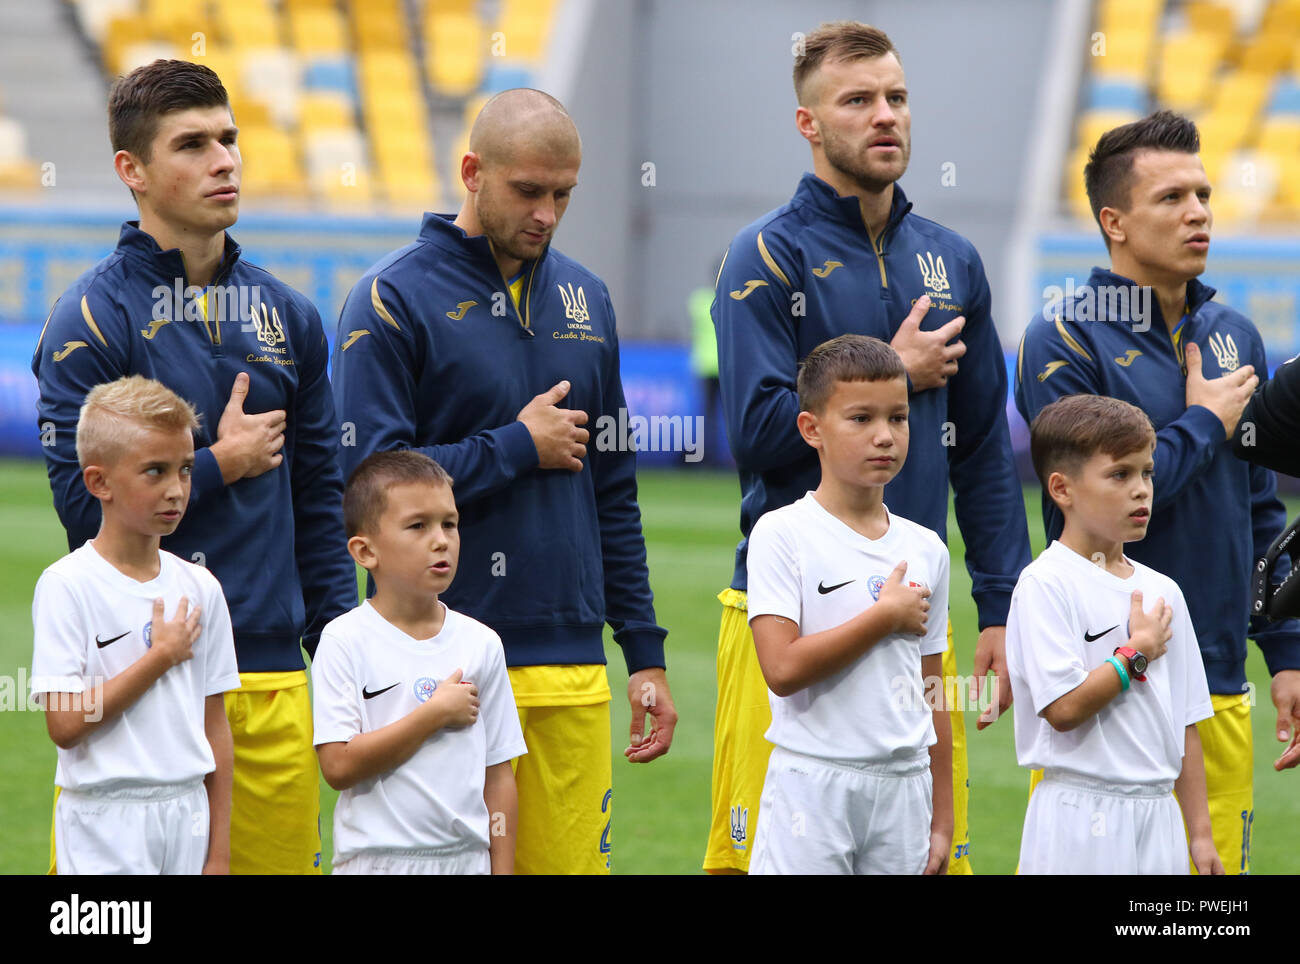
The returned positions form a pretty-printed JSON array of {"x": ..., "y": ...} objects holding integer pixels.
[{"x": 520, "y": 122}]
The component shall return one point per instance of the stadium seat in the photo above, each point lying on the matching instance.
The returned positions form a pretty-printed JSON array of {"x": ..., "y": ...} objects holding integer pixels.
[
  {"x": 1116, "y": 93},
  {"x": 455, "y": 48},
  {"x": 1187, "y": 65},
  {"x": 273, "y": 76},
  {"x": 1127, "y": 54},
  {"x": 137, "y": 55},
  {"x": 94, "y": 16}
]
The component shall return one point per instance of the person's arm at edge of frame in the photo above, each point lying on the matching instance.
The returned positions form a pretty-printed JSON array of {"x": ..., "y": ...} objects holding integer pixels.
[
  {"x": 1190, "y": 790},
  {"x": 941, "y": 820},
  {"x": 218, "y": 784},
  {"x": 502, "y": 798}
]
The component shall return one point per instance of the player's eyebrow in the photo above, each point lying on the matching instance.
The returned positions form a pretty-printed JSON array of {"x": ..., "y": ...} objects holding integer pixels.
[{"x": 200, "y": 133}]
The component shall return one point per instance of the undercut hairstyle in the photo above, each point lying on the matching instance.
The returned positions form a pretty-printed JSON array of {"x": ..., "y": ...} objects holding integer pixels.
[
  {"x": 848, "y": 358},
  {"x": 366, "y": 495},
  {"x": 138, "y": 101},
  {"x": 839, "y": 40},
  {"x": 1108, "y": 175},
  {"x": 1074, "y": 428},
  {"x": 115, "y": 413}
]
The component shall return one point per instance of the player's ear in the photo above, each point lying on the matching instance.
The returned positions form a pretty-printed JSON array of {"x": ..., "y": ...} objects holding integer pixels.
[
  {"x": 130, "y": 170},
  {"x": 471, "y": 171},
  {"x": 1110, "y": 224},
  {"x": 809, "y": 429},
  {"x": 97, "y": 483},
  {"x": 1059, "y": 488},
  {"x": 806, "y": 124},
  {"x": 362, "y": 552}
]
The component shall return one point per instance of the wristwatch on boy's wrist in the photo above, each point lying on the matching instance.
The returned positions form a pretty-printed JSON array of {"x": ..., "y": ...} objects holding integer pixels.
[{"x": 1137, "y": 663}]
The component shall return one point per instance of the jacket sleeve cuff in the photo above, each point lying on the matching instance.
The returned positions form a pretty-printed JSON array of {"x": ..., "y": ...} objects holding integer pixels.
[
  {"x": 993, "y": 606},
  {"x": 517, "y": 443},
  {"x": 643, "y": 651},
  {"x": 1281, "y": 653},
  {"x": 205, "y": 477},
  {"x": 1204, "y": 425}
]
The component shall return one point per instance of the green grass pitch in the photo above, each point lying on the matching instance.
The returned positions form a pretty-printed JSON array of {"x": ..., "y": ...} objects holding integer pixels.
[{"x": 661, "y": 810}]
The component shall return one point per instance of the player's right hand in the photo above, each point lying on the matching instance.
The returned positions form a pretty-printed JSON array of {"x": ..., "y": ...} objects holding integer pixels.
[
  {"x": 557, "y": 432},
  {"x": 1149, "y": 633},
  {"x": 457, "y": 699},
  {"x": 910, "y": 605},
  {"x": 929, "y": 359},
  {"x": 1225, "y": 396},
  {"x": 174, "y": 640},
  {"x": 247, "y": 445}
]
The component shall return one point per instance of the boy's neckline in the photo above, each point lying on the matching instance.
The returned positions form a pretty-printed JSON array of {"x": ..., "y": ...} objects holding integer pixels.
[
  {"x": 129, "y": 570},
  {"x": 405, "y": 626},
  {"x": 854, "y": 522},
  {"x": 1094, "y": 562}
]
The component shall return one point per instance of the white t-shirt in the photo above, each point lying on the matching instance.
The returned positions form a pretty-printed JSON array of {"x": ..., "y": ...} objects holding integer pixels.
[
  {"x": 367, "y": 674},
  {"x": 809, "y": 567},
  {"x": 1067, "y": 616},
  {"x": 92, "y": 622}
]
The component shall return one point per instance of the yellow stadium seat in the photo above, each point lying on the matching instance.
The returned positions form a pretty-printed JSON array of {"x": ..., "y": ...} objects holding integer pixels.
[
  {"x": 223, "y": 61},
  {"x": 1114, "y": 16},
  {"x": 1210, "y": 17},
  {"x": 325, "y": 110},
  {"x": 455, "y": 48},
  {"x": 121, "y": 33},
  {"x": 1126, "y": 53},
  {"x": 1187, "y": 65},
  {"x": 1240, "y": 91},
  {"x": 1280, "y": 137},
  {"x": 1225, "y": 129},
  {"x": 167, "y": 15},
  {"x": 315, "y": 31},
  {"x": 1268, "y": 53},
  {"x": 247, "y": 23},
  {"x": 271, "y": 165},
  {"x": 249, "y": 110}
]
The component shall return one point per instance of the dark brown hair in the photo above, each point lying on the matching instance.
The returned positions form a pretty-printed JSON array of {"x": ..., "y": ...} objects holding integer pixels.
[
  {"x": 366, "y": 495},
  {"x": 139, "y": 100},
  {"x": 848, "y": 358},
  {"x": 1074, "y": 428},
  {"x": 1108, "y": 175},
  {"x": 839, "y": 40}
]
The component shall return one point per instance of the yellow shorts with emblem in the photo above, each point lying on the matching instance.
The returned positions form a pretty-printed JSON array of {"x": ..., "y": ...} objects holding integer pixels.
[
  {"x": 275, "y": 801},
  {"x": 275, "y": 804},
  {"x": 1227, "y": 744},
  {"x": 564, "y": 781},
  {"x": 740, "y": 752},
  {"x": 1229, "y": 748}
]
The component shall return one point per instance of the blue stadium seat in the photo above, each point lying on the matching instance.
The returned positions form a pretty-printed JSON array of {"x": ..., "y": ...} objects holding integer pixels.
[
  {"x": 1113, "y": 94},
  {"x": 501, "y": 78},
  {"x": 331, "y": 73},
  {"x": 1286, "y": 97}
]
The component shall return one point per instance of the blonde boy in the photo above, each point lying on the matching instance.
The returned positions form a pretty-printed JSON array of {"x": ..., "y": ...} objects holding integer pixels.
[
  {"x": 133, "y": 700},
  {"x": 1108, "y": 694},
  {"x": 427, "y": 786},
  {"x": 840, "y": 592}
]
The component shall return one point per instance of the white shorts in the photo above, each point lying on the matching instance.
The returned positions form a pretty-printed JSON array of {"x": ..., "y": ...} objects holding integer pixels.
[
  {"x": 132, "y": 830},
  {"x": 839, "y": 817},
  {"x": 410, "y": 862},
  {"x": 1075, "y": 825}
]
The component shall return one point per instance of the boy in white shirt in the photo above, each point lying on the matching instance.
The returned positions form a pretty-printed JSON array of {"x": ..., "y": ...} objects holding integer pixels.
[
  {"x": 427, "y": 786},
  {"x": 132, "y": 699},
  {"x": 840, "y": 592},
  {"x": 1107, "y": 695}
]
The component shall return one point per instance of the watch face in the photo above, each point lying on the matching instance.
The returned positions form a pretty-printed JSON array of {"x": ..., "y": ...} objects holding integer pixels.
[{"x": 1139, "y": 663}]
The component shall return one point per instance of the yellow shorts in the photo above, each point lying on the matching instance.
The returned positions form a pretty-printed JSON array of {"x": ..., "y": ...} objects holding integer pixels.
[
  {"x": 564, "y": 781},
  {"x": 1228, "y": 747},
  {"x": 275, "y": 804},
  {"x": 740, "y": 752},
  {"x": 275, "y": 801}
]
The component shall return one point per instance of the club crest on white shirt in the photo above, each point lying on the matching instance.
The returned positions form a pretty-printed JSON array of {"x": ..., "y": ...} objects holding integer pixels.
[{"x": 424, "y": 687}]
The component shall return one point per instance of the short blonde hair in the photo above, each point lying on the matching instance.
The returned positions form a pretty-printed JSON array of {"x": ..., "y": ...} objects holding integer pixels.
[{"x": 115, "y": 411}]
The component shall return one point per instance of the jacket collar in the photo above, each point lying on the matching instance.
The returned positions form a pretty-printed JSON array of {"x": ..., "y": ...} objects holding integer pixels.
[
  {"x": 814, "y": 191},
  {"x": 1197, "y": 293},
  {"x": 141, "y": 247},
  {"x": 442, "y": 229}
]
